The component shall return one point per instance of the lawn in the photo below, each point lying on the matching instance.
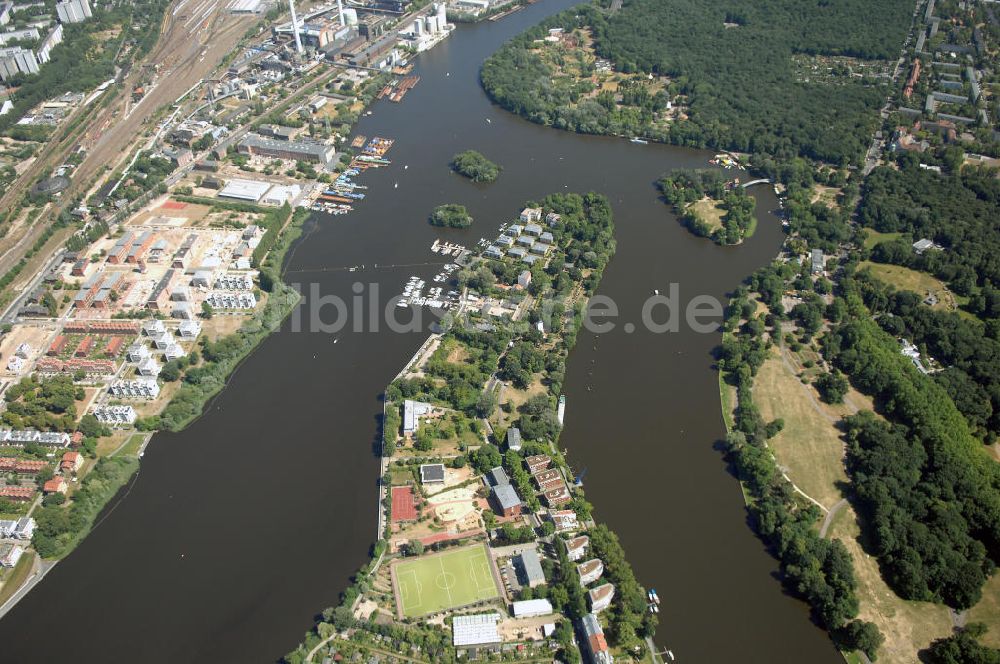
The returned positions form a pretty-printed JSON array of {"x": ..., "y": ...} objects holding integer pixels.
[
  {"x": 708, "y": 211},
  {"x": 987, "y": 611},
  {"x": 921, "y": 283},
  {"x": 811, "y": 452},
  {"x": 443, "y": 581},
  {"x": 809, "y": 447},
  {"x": 873, "y": 237},
  {"x": 908, "y": 626}
]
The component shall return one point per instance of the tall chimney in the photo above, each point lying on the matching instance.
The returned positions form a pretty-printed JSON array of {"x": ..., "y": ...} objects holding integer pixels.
[{"x": 295, "y": 27}]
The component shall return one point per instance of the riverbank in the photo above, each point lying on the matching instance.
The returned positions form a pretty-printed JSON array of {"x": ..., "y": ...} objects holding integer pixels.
[{"x": 56, "y": 536}]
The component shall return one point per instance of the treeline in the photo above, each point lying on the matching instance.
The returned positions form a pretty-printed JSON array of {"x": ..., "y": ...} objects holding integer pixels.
[
  {"x": 683, "y": 187},
  {"x": 963, "y": 648},
  {"x": 957, "y": 210},
  {"x": 929, "y": 494},
  {"x": 738, "y": 83},
  {"x": 629, "y": 619},
  {"x": 59, "y": 528},
  {"x": 817, "y": 570}
]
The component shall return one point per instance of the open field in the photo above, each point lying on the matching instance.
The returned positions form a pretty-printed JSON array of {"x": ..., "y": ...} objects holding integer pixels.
[
  {"x": 810, "y": 451},
  {"x": 708, "y": 211},
  {"x": 443, "y": 581},
  {"x": 809, "y": 448},
  {"x": 987, "y": 611},
  {"x": 908, "y": 626},
  {"x": 873, "y": 237},
  {"x": 921, "y": 283},
  {"x": 826, "y": 195}
]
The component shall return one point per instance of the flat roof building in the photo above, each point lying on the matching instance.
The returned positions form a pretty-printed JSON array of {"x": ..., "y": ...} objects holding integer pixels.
[
  {"x": 412, "y": 412},
  {"x": 513, "y": 439},
  {"x": 481, "y": 630},
  {"x": 531, "y": 608},
  {"x": 432, "y": 473},
  {"x": 531, "y": 567},
  {"x": 506, "y": 500},
  {"x": 245, "y": 190},
  {"x": 311, "y": 151}
]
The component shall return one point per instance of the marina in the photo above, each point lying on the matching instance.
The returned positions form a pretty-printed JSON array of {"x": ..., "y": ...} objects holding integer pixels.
[{"x": 341, "y": 196}]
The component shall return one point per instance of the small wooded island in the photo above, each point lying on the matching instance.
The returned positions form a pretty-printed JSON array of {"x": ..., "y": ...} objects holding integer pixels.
[
  {"x": 451, "y": 215},
  {"x": 709, "y": 205},
  {"x": 475, "y": 166}
]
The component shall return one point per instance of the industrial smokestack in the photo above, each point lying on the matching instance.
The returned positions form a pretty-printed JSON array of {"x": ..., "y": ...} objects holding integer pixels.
[
  {"x": 295, "y": 27},
  {"x": 340, "y": 9}
]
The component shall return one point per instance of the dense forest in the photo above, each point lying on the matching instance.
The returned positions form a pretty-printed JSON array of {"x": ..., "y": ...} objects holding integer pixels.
[
  {"x": 957, "y": 210},
  {"x": 450, "y": 215},
  {"x": 968, "y": 348},
  {"x": 930, "y": 495},
  {"x": 475, "y": 166},
  {"x": 731, "y": 61}
]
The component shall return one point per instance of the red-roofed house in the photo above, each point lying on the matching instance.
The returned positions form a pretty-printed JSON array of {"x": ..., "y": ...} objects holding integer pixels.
[
  {"x": 14, "y": 492},
  {"x": 55, "y": 485},
  {"x": 71, "y": 462}
]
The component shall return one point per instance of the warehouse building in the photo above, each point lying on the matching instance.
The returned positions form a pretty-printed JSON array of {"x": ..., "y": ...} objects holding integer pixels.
[{"x": 309, "y": 151}]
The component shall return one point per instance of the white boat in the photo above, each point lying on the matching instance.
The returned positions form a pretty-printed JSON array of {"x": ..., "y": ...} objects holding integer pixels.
[
  {"x": 656, "y": 291},
  {"x": 639, "y": 141},
  {"x": 653, "y": 596},
  {"x": 670, "y": 654}
]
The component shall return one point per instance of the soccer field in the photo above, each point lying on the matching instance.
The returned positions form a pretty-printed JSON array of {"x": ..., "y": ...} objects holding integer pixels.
[{"x": 443, "y": 581}]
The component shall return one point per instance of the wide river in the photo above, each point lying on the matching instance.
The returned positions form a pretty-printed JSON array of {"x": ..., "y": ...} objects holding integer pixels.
[{"x": 238, "y": 530}]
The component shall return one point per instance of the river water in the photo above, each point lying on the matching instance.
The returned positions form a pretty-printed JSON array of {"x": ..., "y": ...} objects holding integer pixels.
[{"x": 238, "y": 530}]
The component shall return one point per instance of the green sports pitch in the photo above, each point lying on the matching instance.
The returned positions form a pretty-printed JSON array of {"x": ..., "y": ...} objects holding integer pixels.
[{"x": 444, "y": 581}]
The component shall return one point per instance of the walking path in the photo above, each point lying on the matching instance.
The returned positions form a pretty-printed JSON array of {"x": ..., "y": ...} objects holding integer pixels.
[
  {"x": 38, "y": 571},
  {"x": 829, "y": 516}
]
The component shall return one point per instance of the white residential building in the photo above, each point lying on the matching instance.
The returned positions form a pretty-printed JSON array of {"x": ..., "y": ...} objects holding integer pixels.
[
  {"x": 137, "y": 352},
  {"x": 115, "y": 416},
  {"x": 189, "y": 329},
  {"x": 19, "y": 438},
  {"x": 73, "y": 11},
  {"x": 140, "y": 388},
  {"x": 149, "y": 367},
  {"x": 412, "y": 412}
]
